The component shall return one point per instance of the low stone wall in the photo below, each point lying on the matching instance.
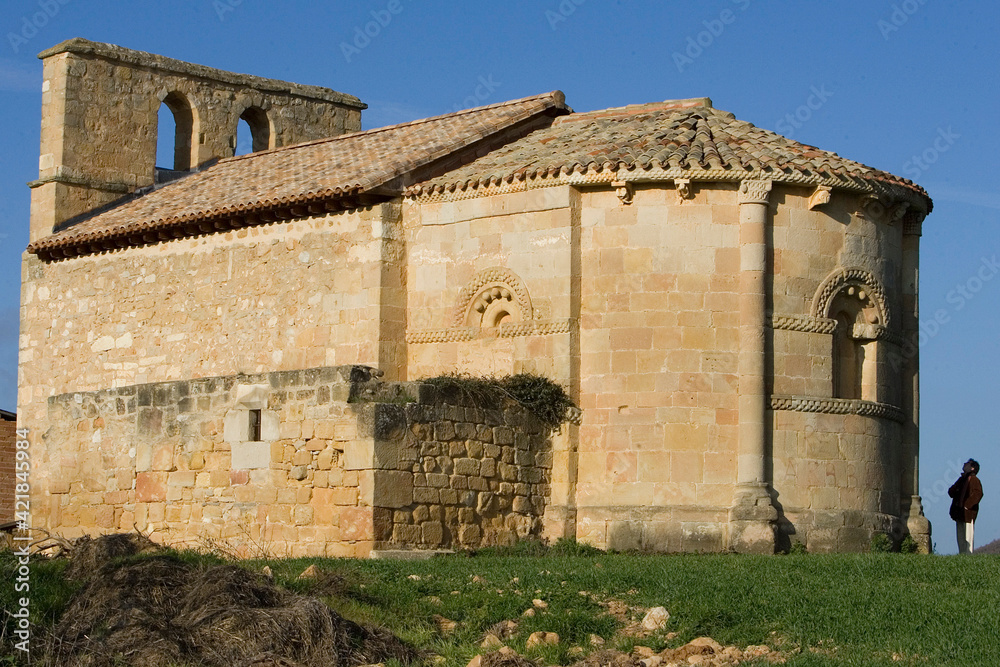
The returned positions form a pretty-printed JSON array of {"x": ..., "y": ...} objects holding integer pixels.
[
  {"x": 458, "y": 474},
  {"x": 325, "y": 461}
]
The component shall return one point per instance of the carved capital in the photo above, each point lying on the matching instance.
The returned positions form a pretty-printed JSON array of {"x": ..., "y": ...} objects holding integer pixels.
[
  {"x": 913, "y": 223},
  {"x": 897, "y": 212},
  {"x": 821, "y": 196},
  {"x": 755, "y": 192}
]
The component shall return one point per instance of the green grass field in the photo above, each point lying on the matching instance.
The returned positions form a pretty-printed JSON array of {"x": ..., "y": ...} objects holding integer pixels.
[{"x": 816, "y": 609}]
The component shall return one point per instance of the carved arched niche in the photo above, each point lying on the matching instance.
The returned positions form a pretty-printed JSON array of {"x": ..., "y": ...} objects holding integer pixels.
[
  {"x": 855, "y": 300},
  {"x": 493, "y": 297}
]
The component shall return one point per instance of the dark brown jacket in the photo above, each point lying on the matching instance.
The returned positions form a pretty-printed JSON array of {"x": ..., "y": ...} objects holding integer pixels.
[{"x": 966, "y": 494}]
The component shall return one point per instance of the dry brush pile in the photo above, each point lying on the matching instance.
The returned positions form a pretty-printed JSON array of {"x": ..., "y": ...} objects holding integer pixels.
[{"x": 160, "y": 611}]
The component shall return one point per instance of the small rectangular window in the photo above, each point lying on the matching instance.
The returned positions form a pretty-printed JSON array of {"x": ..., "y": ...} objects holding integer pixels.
[{"x": 253, "y": 432}]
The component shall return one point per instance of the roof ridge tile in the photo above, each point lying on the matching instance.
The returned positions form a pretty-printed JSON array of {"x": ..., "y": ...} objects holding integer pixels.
[{"x": 557, "y": 96}]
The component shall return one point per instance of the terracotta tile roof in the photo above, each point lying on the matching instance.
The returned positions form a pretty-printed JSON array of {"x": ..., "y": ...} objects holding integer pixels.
[
  {"x": 680, "y": 135},
  {"x": 328, "y": 174}
]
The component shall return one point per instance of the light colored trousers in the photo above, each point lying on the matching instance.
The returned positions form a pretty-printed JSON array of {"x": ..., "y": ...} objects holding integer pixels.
[{"x": 966, "y": 534}]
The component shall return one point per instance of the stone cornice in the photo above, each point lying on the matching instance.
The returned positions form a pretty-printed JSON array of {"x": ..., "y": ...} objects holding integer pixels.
[
  {"x": 882, "y": 333},
  {"x": 804, "y": 323},
  {"x": 511, "y": 330},
  {"x": 114, "y": 53},
  {"x": 69, "y": 179},
  {"x": 825, "y": 325},
  {"x": 686, "y": 177},
  {"x": 449, "y": 335},
  {"x": 838, "y": 406}
]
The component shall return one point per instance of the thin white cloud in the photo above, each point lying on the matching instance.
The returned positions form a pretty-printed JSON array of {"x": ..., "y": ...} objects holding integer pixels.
[
  {"x": 959, "y": 195},
  {"x": 380, "y": 114},
  {"x": 17, "y": 77}
]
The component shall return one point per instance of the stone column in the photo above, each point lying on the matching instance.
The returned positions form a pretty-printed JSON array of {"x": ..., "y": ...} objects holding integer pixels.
[
  {"x": 753, "y": 516},
  {"x": 911, "y": 506}
]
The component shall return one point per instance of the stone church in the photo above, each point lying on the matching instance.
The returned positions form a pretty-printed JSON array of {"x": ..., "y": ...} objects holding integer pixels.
[{"x": 230, "y": 349}]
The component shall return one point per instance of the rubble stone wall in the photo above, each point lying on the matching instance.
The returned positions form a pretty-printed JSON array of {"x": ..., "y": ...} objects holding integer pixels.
[
  {"x": 334, "y": 471},
  {"x": 8, "y": 480},
  {"x": 458, "y": 473}
]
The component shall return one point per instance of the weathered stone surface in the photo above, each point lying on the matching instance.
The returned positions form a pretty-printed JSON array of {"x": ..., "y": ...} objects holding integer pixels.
[
  {"x": 642, "y": 299},
  {"x": 655, "y": 619},
  {"x": 251, "y": 455}
]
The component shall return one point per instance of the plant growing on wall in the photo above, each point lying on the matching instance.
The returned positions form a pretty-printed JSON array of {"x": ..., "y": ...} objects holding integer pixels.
[{"x": 547, "y": 400}]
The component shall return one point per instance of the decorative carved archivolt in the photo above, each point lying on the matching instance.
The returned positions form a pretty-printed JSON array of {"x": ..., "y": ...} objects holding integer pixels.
[
  {"x": 866, "y": 288},
  {"x": 491, "y": 296},
  {"x": 838, "y": 406},
  {"x": 494, "y": 304}
]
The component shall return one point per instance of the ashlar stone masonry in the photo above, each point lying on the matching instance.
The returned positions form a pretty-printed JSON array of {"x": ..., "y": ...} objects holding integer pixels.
[
  {"x": 326, "y": 461},
  {"x": 734, "y": 313}
]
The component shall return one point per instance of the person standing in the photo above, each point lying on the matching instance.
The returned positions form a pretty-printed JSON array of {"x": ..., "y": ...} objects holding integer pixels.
[{"x": 966, "y": 494}]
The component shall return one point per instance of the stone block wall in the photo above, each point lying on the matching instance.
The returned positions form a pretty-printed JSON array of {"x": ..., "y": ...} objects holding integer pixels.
[
  {"x": 650, "y": 289},
  {"x": 836, "y": 479},
  {"x": 325, "y": 467},
  {"x": 518, "y": 243},
  {"x": 160, "y": 457},
  {"x": 307, "y": 293},
  {"x": 658, "y": 355},
  {"x": 459, "y": 473},
  {"x": 100, "y": 105}
]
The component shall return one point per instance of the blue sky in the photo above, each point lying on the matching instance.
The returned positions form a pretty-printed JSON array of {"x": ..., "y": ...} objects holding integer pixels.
[{"x": 906, "y": 86}]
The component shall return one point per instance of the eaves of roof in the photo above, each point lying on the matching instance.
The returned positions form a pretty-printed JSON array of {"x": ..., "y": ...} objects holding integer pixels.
[{"x": 312, "y": 178}]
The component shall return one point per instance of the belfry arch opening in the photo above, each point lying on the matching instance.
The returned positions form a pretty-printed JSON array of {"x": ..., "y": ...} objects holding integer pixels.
[
  {"x": 175, "y": 134},
  {"x": 253, "y": 132}
]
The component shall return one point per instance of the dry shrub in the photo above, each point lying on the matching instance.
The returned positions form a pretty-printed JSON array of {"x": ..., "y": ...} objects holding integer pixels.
[
  {"x": 606, "y": 658},
  {"x": 90, "y": 554},
  {"x": 158, "y": 611},
  {"x": 505, "y": 659}
]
